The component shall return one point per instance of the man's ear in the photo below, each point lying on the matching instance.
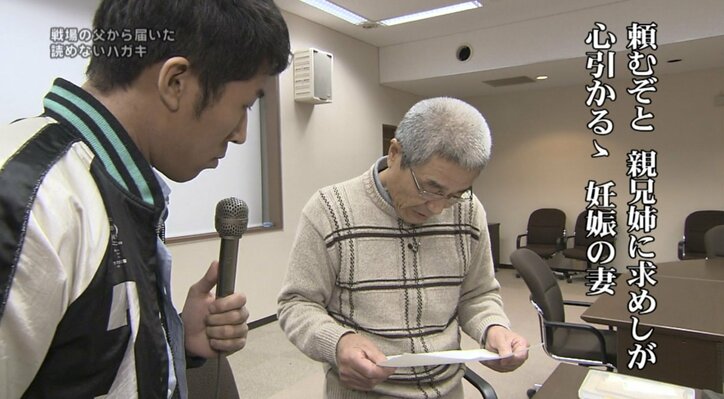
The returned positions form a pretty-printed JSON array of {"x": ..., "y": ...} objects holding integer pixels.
[
  {"x": 174, "y": 81},
  {"x": 394, "y": 151}
]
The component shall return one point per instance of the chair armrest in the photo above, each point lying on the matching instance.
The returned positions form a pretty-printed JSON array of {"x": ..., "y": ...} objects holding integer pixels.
[
  {"x": 584, "y": 327},
  {"x": 480, "y": 384},
  {"x": 681, "y": 249},
  {"x": 562, "y": 241},
  {"x": 517, "y": 240},
  {"x": 584, "y": 304},
  {"x": 577, "y": 303}
]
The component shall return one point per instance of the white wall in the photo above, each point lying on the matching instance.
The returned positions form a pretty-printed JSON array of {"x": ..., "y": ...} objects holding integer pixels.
[
  {"x": 321, "y": 145},
  {"x": 541, "y": 156},
  {"x": 27, "y": 69}
]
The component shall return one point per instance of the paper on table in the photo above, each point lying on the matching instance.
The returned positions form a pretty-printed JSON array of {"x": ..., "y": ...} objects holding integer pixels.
[
  {"x": 603, "y": 384},
  {"x": 444, "y": 357}
]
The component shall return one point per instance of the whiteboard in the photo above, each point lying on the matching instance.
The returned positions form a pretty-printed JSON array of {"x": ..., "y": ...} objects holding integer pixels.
[
  {"x": 192, "y": 204},
  {"x": 28, "y": 72}
]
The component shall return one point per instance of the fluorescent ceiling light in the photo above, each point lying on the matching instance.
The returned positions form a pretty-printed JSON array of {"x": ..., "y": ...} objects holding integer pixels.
[
  {"x": 469, "y": 5},
  {"x": 337, "y": 11},
  {"x": 347, "y": 15}
]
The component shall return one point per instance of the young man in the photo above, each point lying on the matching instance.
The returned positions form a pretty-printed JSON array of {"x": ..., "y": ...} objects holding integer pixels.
[
  {"x": 398, "y": 261},
  {"x": 85, "y": 307}
]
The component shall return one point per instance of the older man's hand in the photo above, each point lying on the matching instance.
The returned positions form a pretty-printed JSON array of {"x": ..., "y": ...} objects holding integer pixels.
[
  {"x": 357, "y": 359},
  {"x": 504, "y": 342}
]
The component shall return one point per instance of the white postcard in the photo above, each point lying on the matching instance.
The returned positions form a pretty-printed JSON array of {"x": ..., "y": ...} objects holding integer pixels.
[{"x": 444, "y": 357}]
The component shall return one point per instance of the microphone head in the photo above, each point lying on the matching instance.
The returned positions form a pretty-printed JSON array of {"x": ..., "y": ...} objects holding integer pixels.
[{"x": 232, "y": 216}]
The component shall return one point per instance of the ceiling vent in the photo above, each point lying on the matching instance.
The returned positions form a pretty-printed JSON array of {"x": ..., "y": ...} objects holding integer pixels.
[{"x": 517, "y": 80}]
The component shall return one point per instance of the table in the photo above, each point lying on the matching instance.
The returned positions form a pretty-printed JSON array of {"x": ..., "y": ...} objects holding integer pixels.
[
  {"x": 564, "y": 382},
  {"x": 711, "y": 269},
  {"x": 688, "y": 329}
]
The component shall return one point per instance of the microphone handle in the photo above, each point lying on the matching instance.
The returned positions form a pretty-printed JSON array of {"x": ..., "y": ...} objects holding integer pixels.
[{"x": 227, "y": 267}]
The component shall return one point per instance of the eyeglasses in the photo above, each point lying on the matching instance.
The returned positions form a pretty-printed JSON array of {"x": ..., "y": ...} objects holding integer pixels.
[{"x": 451, "y": 199}]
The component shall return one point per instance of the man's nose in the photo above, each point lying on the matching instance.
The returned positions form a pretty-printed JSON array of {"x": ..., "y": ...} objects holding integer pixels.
[
  {"x": 436, "y": 206},
  {"x": 238, "y": 136}
]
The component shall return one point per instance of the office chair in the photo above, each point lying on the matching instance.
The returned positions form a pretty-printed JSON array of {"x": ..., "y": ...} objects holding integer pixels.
[
  {"x": 580, "y": 244},
  {"x": 577, "y": 343},
  {"x": 714, "y": 242},
  {"x": 546, "y": 233},
  {"x": 202, "y": 380},
  {"x": 480, "y": 384},
  {"x": 696, "y": 225}
]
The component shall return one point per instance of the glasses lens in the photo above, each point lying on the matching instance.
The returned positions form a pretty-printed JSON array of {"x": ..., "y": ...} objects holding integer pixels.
[
  {"x": 428, "y": 196},
  {"x": 465, "y": 196},
  {"x": 451, "y": 199}
]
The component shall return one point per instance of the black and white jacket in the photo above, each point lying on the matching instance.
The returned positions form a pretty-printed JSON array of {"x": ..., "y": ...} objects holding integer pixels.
[{"x": 83, "y": 306}]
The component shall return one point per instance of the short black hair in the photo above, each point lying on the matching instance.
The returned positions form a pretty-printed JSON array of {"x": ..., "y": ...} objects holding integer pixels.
[{"x": 224, "y": 40}]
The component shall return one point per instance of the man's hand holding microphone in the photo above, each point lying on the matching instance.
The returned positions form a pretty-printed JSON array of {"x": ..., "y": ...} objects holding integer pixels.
[{"x": 216, "y": 324}]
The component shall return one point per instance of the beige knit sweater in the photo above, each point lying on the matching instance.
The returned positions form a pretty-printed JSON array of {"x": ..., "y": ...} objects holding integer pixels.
[{"x": 355, "y": 266}]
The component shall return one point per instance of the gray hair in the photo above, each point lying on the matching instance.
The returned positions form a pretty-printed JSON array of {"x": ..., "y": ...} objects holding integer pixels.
[{"x": 447, "y": 127}]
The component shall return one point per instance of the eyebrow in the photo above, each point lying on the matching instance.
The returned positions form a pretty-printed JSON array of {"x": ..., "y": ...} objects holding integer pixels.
[{"x": 437, "y": 186}]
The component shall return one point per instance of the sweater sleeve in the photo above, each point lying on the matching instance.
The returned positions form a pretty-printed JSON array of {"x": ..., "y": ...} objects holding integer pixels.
[
  {"x": 481, "y": 305},
  {"x": 307, "y": 289}
]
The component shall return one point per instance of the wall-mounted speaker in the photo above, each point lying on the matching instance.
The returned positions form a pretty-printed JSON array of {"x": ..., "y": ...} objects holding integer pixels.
[{"x": 313, "y": 76}]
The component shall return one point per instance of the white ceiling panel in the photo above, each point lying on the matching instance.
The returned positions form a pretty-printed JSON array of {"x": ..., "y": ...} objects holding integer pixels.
[{"x": 511, "y": 27}]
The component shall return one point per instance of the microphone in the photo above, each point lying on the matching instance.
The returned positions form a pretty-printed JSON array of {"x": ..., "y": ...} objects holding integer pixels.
[{"x": 232, "y": 216}]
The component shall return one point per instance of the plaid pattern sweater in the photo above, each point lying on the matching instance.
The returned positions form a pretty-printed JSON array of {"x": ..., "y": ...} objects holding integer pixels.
[{"x": 355, "y": 266}]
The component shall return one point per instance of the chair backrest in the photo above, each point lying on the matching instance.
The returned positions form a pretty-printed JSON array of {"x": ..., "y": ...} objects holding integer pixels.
[
  {"x": 541, "y": 282},
  {"x": 580, "y": 229},
  {"x": 714, "y": 242},
  {"x": 546, "y": 226},
  {"x": 697, "y": 224}
]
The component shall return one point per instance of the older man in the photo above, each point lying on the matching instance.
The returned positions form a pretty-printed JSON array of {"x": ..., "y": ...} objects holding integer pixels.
[{"x": 397, "y": 260}]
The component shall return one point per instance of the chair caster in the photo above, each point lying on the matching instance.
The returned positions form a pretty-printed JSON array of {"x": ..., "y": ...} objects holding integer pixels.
[{"x": 532, "y": 391}]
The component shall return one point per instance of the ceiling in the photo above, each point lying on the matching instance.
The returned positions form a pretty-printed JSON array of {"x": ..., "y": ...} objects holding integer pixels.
[{"x": 698, "y": 54}]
